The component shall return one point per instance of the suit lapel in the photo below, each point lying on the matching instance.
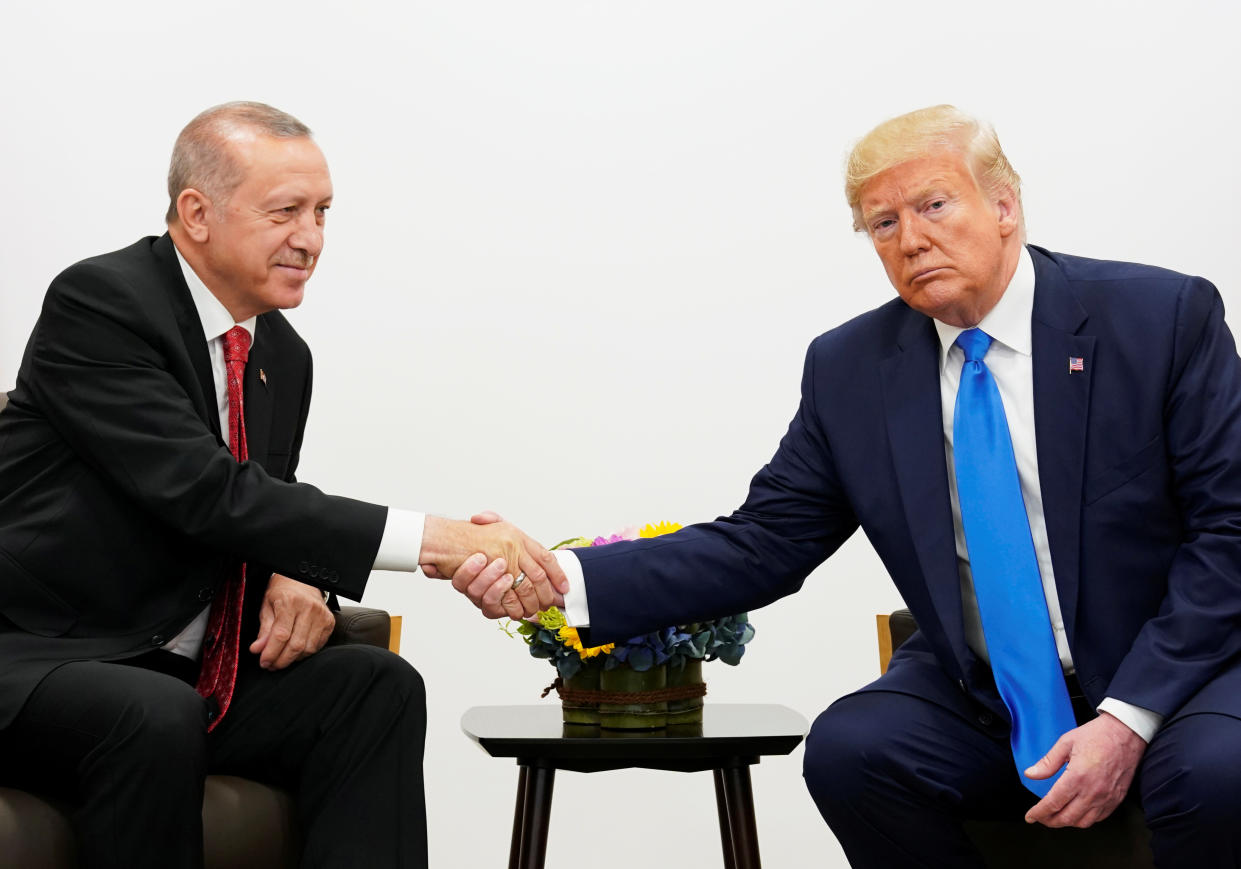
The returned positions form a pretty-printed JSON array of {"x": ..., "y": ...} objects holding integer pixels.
[
  {"x": 911, "y": 399},
  {"x": 191, "y": 329},
  {"x": 1061, "y": 405},
  {"x": 261, "y": 383}
]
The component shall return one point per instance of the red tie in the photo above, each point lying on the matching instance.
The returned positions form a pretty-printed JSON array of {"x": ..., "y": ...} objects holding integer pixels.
[{"x": 219, "y": 670}]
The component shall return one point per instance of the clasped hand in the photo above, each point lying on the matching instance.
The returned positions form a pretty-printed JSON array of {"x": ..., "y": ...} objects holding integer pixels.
[
  {"x": 294, "y": 623},
  {"x": 483, "y": 556}
]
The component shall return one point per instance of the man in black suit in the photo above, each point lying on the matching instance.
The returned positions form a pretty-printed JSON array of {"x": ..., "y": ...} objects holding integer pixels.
[{"x": 124, "y": 517}]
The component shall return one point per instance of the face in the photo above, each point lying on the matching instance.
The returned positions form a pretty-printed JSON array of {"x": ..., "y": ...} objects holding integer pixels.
[
  {"x": 261, "y": 246},
  {"x": 948, "y": 248}
]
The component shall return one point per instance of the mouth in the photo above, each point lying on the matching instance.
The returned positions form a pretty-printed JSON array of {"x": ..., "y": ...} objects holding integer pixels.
[{"x": 926, "y": 274}]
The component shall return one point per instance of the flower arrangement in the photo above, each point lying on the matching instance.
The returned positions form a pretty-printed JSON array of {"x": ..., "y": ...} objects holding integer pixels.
[{"x": 550, "y": 638}]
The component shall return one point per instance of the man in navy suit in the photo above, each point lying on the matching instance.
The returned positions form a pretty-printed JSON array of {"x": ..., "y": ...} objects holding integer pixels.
[{"x": 1121, "y": 388}]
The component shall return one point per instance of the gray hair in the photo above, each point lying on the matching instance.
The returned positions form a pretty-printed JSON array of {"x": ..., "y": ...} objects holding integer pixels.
[{"x": 201, "y": 158}]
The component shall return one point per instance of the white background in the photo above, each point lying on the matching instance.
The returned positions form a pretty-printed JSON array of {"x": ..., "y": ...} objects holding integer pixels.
[{"x": 577, "y": 252}]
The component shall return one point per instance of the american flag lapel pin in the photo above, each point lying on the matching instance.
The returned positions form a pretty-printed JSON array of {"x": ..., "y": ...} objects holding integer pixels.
[
  {"x": 263, "y": 375},
  {"x": 1077, "y": 363}
]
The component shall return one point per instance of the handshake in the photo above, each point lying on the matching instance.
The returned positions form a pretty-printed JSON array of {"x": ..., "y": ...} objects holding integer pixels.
[{"x": 500, "y": 568}]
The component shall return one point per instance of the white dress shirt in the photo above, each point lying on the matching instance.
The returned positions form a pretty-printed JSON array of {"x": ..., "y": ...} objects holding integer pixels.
[
  {"x": 402, "y": 538},
  {"x": 1011, "y": 364}
]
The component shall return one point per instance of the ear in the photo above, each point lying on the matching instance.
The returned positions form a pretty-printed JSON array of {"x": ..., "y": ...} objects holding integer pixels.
[
  {"x": 1008, "y": 210},
  {"x": 193, "y": 210}
]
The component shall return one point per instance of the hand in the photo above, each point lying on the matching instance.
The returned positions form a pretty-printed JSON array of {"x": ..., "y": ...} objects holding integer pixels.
[
  {"x": 489, "y": 587},
  {"x": 294, "y": 623},
  {"x": 1102, "y": 755},
  {"x": 447, "y": 543}
]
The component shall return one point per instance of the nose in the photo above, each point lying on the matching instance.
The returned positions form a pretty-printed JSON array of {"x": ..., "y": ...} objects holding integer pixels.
[
  {"x": 912, "y": 237},
  {"x": 308, "y": 235}
]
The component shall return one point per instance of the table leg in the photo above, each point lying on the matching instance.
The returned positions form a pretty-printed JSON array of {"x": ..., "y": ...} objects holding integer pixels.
[
  {"x": 519, "y": 814},
  {"x": 536, "y": 816},
  {"x": 721, "y": 806},
  {"x": 739, "y": 796}
]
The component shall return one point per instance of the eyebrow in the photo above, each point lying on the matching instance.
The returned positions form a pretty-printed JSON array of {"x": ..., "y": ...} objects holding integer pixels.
[{"x": 936, "y": 186}]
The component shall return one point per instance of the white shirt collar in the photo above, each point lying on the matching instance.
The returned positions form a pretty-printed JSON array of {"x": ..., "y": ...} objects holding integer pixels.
[
  {"x": 215, "y": 318},
  {"x": 1009, "y": 321}
]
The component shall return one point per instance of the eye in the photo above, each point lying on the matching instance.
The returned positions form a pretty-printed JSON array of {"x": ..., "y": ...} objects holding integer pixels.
[
  {"x": 936, "y": 204},
  {"x": 882, "y": 224}
]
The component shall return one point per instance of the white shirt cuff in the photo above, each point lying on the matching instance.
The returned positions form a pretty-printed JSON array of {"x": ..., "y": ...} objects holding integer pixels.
[
  {"x": 576, "y": 610},
  {"x": 402, "y": 541},
  {"x": 1141, "y": 721}
]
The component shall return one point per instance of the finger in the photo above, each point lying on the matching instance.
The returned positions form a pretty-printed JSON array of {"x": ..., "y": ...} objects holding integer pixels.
[
  {"x": 428, "y": 570},
  {"x": 513, "y": 606},
  {"x": 266, "y": 618},
  {"x": 530, "y": 599},
  {"x": 1060, "y": 795},
  {"x": 549, "y": 563},
  {"x": 486, "y": 579},
  {"x": 299, "y": 639},
  {"x": 487, "y": 517},
  {"x": 276, "y": 642},
  {"x": 540, "y": 585},
  {"x": 1047, "y": 765},
  {"x": 490, "y": 602},
  {"x": 469, "y": 571}
]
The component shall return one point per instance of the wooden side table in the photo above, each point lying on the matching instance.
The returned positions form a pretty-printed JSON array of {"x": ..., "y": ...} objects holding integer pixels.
[{"x": 731, "y": 738}]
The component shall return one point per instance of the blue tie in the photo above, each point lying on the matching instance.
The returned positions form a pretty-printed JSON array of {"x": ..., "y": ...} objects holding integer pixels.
[{"x": 1006, "y": 576}]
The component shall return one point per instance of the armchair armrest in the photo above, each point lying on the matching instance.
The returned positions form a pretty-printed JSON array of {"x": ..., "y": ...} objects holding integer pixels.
[{"x": 359, "y": 624}]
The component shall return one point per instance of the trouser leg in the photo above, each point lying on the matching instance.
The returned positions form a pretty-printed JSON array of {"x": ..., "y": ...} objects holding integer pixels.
[
  {"x": 344, "y": 730},
  {"x": 1190, "y": 784},
  {"x": 127, "y": 747},
  {"x": 895, "y": 775}
]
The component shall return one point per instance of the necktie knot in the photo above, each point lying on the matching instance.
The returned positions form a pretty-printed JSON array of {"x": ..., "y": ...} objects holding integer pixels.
[
  {"x": 236, "y": 345},
  {"x": 975, "y": 343}
]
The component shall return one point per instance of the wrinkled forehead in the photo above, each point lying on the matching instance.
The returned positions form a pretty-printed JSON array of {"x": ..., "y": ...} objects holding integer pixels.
[
  {"x": 941, "y": 170},
  {"x": 270, "y": 162}
]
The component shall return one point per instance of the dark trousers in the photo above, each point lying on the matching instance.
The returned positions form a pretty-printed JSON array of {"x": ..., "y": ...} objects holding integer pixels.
[
  {"x": 894, "y": 775},
  {"x": 127, "y": 744}
]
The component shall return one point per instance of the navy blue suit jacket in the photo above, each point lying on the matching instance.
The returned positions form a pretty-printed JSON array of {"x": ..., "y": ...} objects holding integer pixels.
[{"x": 1139, "y": 464}]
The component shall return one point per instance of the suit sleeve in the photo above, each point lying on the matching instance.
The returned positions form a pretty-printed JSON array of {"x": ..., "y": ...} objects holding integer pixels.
[
  {"x": 100, "y": 369},
  {"x": 1194, "y": 635},
  {"x": 794, "y": 517}
]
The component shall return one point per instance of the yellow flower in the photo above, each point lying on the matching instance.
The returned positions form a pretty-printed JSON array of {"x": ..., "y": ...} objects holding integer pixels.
[
  {"x": 569, "y": 637},
  {"x": 658, "y": 530}
]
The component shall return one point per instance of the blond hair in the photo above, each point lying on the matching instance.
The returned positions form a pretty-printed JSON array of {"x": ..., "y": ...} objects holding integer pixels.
[
  {"x": 921, "y": 132},
  {"x": 201, "y": 158}
]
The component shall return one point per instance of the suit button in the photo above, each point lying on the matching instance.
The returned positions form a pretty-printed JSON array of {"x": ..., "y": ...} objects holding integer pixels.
[
  {"x": 333, "y": 577},
  {"x": 314, "y": 570},
  {"x": 158, "y": 640},
  {"x": 303, "y": 567},
  {"x": 985, "y": 719},
  {"x": 206, "y": 594}
]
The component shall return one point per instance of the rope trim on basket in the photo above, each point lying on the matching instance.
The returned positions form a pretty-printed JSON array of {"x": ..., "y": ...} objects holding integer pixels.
[{"x": 658, "y": 695}]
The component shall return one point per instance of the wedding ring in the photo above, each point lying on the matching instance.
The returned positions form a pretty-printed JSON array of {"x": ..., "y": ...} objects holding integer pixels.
[{"x": 521, "y": 577}]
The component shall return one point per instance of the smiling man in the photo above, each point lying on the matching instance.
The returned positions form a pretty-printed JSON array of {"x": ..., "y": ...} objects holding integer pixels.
[
  {"x": 1045, "y": 451},
  {"x": 164, "y": 579}
]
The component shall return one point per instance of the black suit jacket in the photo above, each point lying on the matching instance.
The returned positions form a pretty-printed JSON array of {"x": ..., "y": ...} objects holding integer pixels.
[
  {"x": 121, "y": 509},
  {"x": 1139, "y": 463}
]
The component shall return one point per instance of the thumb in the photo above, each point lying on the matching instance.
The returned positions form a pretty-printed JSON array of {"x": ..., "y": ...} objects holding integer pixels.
[
  {"x": 486, "y": 517},
  {"x": 1050, "y": 763}
]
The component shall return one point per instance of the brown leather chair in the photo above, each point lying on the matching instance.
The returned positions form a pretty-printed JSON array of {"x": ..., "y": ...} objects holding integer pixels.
[
  {"x": 1122, "y": 841},
  {"x": 245, "y": 824}
]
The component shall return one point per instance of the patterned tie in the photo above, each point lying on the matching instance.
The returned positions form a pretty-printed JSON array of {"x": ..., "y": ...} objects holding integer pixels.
[
  {"x": 219, "y": 669},
  {"x": 1006, "y": 575}
]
